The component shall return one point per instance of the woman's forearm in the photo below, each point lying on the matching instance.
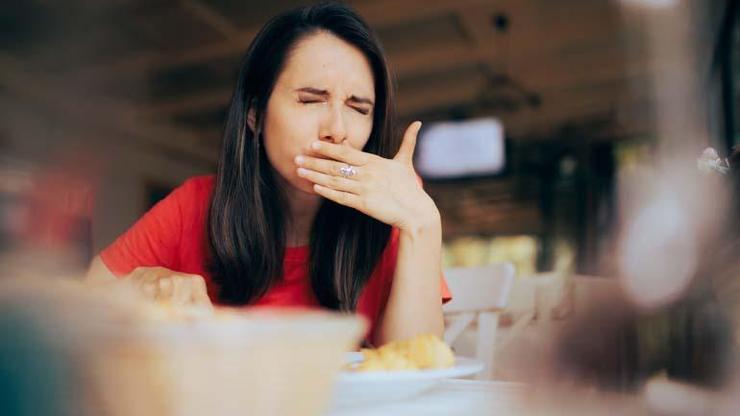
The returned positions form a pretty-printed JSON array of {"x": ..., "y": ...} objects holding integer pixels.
[{"x": 415, "y": 302}]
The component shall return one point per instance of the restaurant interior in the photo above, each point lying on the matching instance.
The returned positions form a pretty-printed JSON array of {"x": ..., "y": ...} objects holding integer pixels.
[{"x": 565, "y": 139}]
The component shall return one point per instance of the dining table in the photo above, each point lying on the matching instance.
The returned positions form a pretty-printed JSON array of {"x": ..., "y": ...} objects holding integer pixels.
[{"x": 450, "y": 397}]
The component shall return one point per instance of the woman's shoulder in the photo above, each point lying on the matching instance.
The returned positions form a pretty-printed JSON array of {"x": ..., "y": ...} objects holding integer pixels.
[
  {"x": 193, "y": 196},
  {"x": 193, "y": 189},
  {"x": 202, "y": 184}
]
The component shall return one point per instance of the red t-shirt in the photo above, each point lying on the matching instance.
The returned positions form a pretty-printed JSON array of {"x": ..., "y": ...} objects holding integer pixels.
[{"x": 173, "y": 235}]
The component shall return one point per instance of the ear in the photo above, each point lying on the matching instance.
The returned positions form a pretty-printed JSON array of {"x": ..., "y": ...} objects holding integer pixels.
[{"x": 252, "y": 120}]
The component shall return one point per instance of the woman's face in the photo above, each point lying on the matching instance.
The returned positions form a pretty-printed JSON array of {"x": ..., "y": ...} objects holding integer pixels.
[{"x": 325, "y": 92}]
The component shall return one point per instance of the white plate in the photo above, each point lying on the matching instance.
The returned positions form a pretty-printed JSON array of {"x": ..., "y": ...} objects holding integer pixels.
[{"x": 357, "y": 389}]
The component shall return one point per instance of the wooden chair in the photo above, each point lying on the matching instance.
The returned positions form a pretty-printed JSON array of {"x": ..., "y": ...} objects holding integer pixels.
[{"x": 479, "y": 294}]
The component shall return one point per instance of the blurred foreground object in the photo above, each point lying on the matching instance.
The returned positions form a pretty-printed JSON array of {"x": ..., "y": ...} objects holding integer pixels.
[
  {"x": 680, "y": 317},
  {"x": 710, "y": 161},
  {"x": 671, "y": 315},
  {"x": 112, "y": 354}
]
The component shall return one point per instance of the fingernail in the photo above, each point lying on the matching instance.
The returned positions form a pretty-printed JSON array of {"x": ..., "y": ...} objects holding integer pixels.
[
  {"x": 316, "y": 145},
  {"x": 302, "y": 172},
  {"x": 299, "y": 160}
]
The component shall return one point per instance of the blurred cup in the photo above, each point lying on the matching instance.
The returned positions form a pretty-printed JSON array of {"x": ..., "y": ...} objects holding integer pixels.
[{"x": 130, "y": 359}]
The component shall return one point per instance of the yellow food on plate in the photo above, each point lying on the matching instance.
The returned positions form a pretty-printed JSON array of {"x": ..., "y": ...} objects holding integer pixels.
[
  {"x": 422, "y": 352},
  {"x": 384, "y": 360}
]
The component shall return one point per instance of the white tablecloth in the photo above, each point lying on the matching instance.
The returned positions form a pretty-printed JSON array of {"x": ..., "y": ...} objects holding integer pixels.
[{"x": 451, "y": 397}]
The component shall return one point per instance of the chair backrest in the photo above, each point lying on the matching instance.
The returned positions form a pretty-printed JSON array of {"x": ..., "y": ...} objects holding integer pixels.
[
  {"x": 479, "y": 288},
  {"x": 479, "y": 294}
]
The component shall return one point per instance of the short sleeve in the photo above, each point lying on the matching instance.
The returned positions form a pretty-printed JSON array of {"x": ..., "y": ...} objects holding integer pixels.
[
  {"x": 446, "y": 295},
  {"x": 154, "y": 239}
]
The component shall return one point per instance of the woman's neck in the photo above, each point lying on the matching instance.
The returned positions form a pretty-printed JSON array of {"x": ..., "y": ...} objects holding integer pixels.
[{"x": 302, "y": 209}]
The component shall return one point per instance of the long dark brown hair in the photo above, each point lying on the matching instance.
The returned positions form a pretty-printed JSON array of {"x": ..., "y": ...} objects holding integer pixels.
[{"x": 247, "y": 218}]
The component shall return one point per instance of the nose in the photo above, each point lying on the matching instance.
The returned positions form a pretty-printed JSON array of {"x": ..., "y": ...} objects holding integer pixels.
[{"x": 333, "y": 128}]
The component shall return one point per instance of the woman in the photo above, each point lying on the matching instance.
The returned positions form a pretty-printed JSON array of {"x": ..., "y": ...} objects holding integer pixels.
[{"x": 314, "y": 202}]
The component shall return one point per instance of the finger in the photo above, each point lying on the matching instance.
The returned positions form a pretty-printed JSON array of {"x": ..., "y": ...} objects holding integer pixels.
[
  {"x": 146, "y": 283},
  {"x": 343, "y": 198},
  {"x": 329, "y": 167},
  {"x": 181, "y": 294},
  {"x": 145, "y": 275},
  {"x": 199, "y": 292},
  {"x": 408, "y": 145},
  {"x": 341, "y": 152},
  {"x": 137, "y": 276},
  {"x": 149, "y": 289},
  {"x": 334, "y": 182},
  {"x": 166, "y": 288}
]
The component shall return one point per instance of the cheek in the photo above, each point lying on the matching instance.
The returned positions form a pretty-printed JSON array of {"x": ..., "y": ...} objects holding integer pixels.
[
  {"x": 361, "y": 135},
  {"x": 286, "y": 135},
  {"x": 270, "y": 134}
]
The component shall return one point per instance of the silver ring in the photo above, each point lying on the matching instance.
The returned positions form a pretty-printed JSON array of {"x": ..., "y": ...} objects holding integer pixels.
[{"x": 348, "y": 171}]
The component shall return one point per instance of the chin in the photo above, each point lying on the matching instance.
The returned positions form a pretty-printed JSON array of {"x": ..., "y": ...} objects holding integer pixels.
[
  {"x": 304, "y": 186},
  {"x": 297, "y": 183}
]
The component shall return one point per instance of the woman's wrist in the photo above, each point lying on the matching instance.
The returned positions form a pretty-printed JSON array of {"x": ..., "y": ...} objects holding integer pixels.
[{"x": 425, "y": 224}]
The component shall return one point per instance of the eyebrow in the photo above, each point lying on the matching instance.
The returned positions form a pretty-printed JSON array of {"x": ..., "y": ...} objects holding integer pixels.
[{"x": 325, "y": 93}]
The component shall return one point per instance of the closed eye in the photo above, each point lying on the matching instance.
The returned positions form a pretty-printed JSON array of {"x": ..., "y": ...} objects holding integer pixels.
[{"x": 363, "y": 111}]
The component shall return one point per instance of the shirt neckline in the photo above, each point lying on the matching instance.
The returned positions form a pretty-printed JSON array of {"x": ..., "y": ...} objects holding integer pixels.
[{"x": 296, "y": 253}]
